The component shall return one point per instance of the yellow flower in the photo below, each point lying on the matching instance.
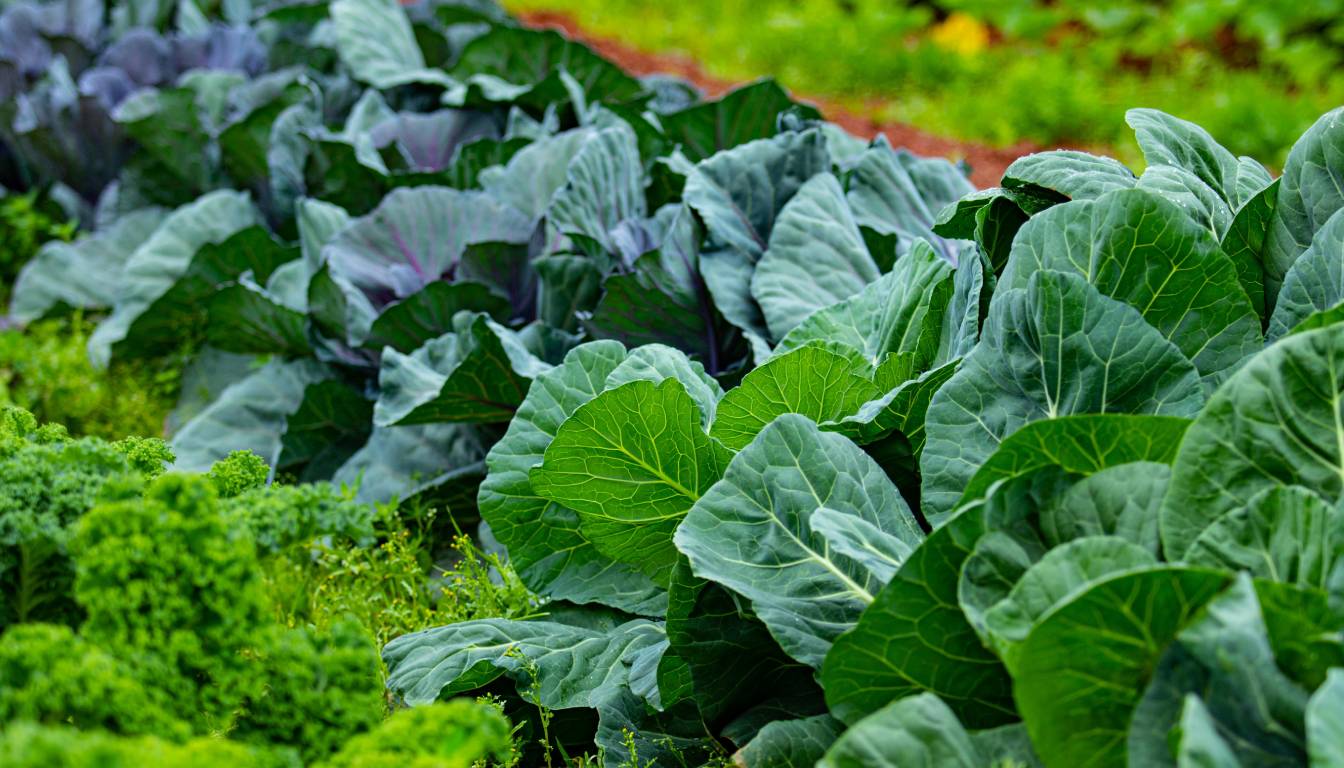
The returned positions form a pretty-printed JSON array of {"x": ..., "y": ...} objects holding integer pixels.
[{"x": 961, "y": 34}]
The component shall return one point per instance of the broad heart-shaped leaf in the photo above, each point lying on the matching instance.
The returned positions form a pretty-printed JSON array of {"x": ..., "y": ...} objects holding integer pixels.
[
  {"x": 1277, "y": 421},
  {"x": 742, "y": 115},
  {"x": 1225, "y": 657},
  {"x": 169, "y": 125},
  {"x": 916, "y": 730},
  {"x": 816, "y": 257},
  {"x": 82, "y": 274},
  {"x": 331, "y": 424},
  {"x": 752, "y": 532},
  {"x": 1284, "y": 533},
  {"x": 545, "y": 544},
  {"x": 1171, "y": 141},
  {"x": 248, "y": 415},
  {"x": 1083, "y": 444},
  {"x": 407, "y": 462},
  {"x": 479, "y": 372},
  {"x": 1244, "y": 243},
  {"x": 157, "y": 266},
  {"x": 377, "y": 44},
  {"x": 1056, "y": 349},
  {"x": 604, "y": 186},
  {"x": 734, "y": 663},
  {"x": 665, "y": 299},
  {"x": 416, "y": 236},
  {"x": 631, "y": 462},
  {"x": 904, "y": 311},
  {"x": 629, "y": 729},
  {"x": 1059, "y": 575},
  {"x": 516, "y": 64},
  {"x": 408, "y": 324},
  {"x": 738, "y": 194},
  {"x": 1197, "y": 200},
  {"x": 1082, "y": 669},
  {"x": 887, "y": 197},
  {"x": 1199, "y": 743},
  {"x": 1309, "y": 194},
  {"x": 1075, "y": 175},
  {"x": 1139, "y": 248},
  {"x": 1325, "y": 722},
  {"x": 915, "y": 638},
  {"x": 1123, "y": 501},
  {"x": 530, "y": 179},
  {"x": 431, "y": 142},
  {"x": 822, "y": 382},
  {"x": 1315, "y": 282},
  {"x": 785, "y": 743},
  {"x": 574, "y": 666},
  {"x": 249, "y": 319}
]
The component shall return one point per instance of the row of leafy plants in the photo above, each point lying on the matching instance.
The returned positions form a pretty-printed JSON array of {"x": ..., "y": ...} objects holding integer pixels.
[{"x": 812, "y": 452}]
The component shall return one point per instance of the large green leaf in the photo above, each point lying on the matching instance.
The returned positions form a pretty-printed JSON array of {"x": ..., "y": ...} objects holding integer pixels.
[
  {"x": 734, "y": 662},
  {"x": 82, "y": 274},
  {"x": 1224, "y": 656},
  {"x": 427, "y": 314},
  {"x": 1277, "y": 421},
  {"x": 632, "y": 461},
  {"x": 904, "y": 311},
  {"x": 477, "y": 373},
  {"x": 816, "y": 257},
  {"x": 604, "y": 186},
  {"x": 742, "y": 115},
  {"x": 1196, "y": 199},
  {"x": 916, "y": 730},
  {"x": 1171, "y": 141},
  {"x": 1284, "y": 533},
  {"x": 914, "y": 638},
  {"x": 155, "y": 268},
  {"x": 515, "y": 64},
  {"x": 416, "y": 237},
  {"x": 1061, "y": 574},
  {"x": 543, "y": 538},
  {"x": 1083, "y": 445},
  {"x": 574, "y": 666},
  {"x": 249, "y": 415},
  {"x": 377, "y": 44},
  {"x": 789, "y": 743},
  {"x": 1315, "y": 282},
  {"x": 1123, "y": 501},
  {"x": 894, "y": 193},
  {"x": 753, "y": 532},
  {"x": 250, "y": 319},
  {"x": 1309, "y": 194},
  {"x": 821, "y": 382},
  {"x": 739, "y": 194},
  {"x": 1139, "y": 248},
  {"x": 1083, "y": 668},
  {"x": 530, "y": 179},
  {"x": 1325, "y": 722},
  {"x": 404, "y": 462},
  {"x": 1075, "y": 175},
  {"x": 1056, "y": 349},
  {"x": 1244, "y": 243}
]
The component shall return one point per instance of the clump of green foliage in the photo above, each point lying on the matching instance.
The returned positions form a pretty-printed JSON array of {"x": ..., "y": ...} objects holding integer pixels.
[
  {"x": 52, "y": 675},
  {"x": 25, "y": 224},
  {"x": 45, "y": 369},
  {"x": 454, "y": 734},
  {"x": 153, "y": 610},
  {"x": 47, "y": 482},
  {"x": 27, "y": 745}
]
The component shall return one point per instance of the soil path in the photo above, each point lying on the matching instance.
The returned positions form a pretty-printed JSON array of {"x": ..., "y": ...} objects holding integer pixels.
[{"x": 987, "y": 163}]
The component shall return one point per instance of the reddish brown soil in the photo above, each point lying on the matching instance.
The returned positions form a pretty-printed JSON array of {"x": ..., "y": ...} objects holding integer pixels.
[{"x": 987, "y": 163}]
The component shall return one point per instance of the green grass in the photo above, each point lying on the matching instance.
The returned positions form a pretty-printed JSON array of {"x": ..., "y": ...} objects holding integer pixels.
[
  {"x": 1073, "y": 90},
  {"x": 45, "y": 369}
]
